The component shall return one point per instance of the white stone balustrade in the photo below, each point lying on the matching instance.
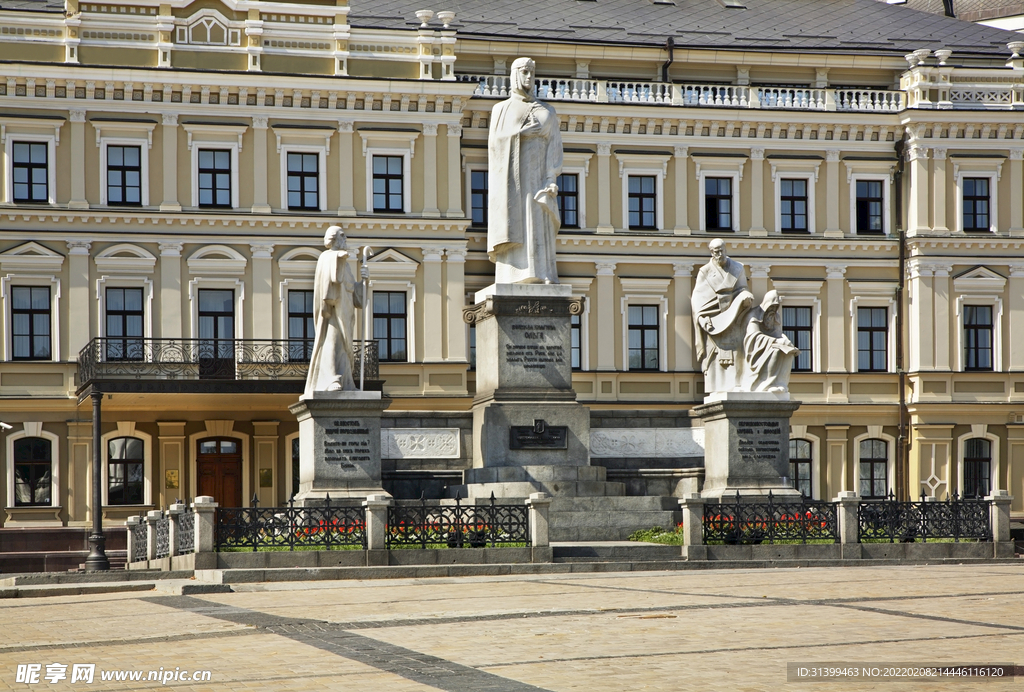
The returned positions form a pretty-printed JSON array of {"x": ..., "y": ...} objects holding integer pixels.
[{"x": 697, "y": 95}]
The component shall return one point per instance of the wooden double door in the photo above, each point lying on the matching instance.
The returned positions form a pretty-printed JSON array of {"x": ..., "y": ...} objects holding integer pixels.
[{"x": 219, "y": 471}]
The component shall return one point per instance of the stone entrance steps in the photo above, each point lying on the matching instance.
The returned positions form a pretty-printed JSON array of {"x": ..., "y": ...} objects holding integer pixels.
[
  {"x": 521, "y": 481},
  {"x": 57, "y": 549},
  {"x": 616, "y": 551}
]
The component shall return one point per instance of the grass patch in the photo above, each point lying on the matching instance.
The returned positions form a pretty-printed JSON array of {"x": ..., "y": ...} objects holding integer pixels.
[{"x": 657, "y": 534}]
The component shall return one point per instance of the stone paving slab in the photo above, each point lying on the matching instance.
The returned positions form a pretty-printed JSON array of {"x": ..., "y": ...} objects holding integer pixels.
[{"x": 680, "y": 630}]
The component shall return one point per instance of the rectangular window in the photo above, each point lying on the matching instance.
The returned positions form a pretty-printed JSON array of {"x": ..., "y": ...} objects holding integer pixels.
[
  {"x": 800, "y": 466},
  {"x": 125, "y": 471},
  {"x": 30, "y": 322},
  {"x": 32, "y": 477},
  {"x": 30, "y": 172},
  {"x": 215, "y": 178},
  {"x": 796, "y": 324},
  {"x": 569, "y": 200},
  {"x": 301, "y": 329},
  {"x": 872, "y": 339},
  {"x": 472, "y": 347},
  {"x": 387, "y": 184},
  {"x": 869, "y": 206},
  {"x": 874, "y": 469},
  {"x": 718, "y": 204},
  {"x": 389, "y": 325},
  {"x": 976, "y": 205},
  {"x": 793, "y": 203},
  {"x": 304, "y": 181},
  {"x": 478, "y": 197},
  {"x": 643, "y": 337},
  {"x": 124, "y": 324},
  {"x": 124, "y": 176},
  {"x": 216, "y": 333},
  {"x": 977, "y": 468},
  {"x": 575, "y": 348},
  {"x": 642, "y": 203},
  {"x": 978, "y": 337}
]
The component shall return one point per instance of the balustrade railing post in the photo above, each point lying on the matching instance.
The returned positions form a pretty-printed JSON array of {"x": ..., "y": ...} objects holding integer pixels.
[
  {"x": 205, "y": 526},
  {"x": 849, "y": 524},
  {"x": 539, "y": 504},
  {"x": 999, "y": 509},
  {"x": 693, "y": 519},
  {"x": 376, "y": 507},
  {"x": 173, "y": 514},
  {"x": 131, "y": 523},
  {"x": 152, "y": 517},
  {"x": 830, "y": 100}
]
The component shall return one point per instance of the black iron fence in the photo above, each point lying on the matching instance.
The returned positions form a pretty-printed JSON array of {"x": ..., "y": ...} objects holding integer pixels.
[
  {"x": 121, "y": 358},
  {"x": 163, "y": 536},
  {"x": 324, "y": 528},
  {"x": 140, "y": 545},
  {"x": 457, "y": 524},
  {"x": 741, "y": 522},
  {"x": 906, "y": 522},
  {"x": 186, "y": 535}
]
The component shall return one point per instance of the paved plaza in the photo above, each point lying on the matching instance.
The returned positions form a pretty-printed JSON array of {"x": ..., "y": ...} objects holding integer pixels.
[{"x": 682, "y": 630}]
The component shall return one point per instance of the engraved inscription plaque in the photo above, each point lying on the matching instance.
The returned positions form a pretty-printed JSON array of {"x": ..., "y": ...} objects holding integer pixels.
[
  {"x": 759, "y": 440},
  {"x": 346, "y": 443},
  {"x": 538, "y": 436}
]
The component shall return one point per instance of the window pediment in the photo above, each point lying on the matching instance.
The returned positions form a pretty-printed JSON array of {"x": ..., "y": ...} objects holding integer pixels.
[
  {"x": 216, "y": 259},
  {"x": 125, "y": 259},
  {"x": 392, "y": 264},
  {"x": 979, "y": 280},
  {"x": 31, "y": 257}
]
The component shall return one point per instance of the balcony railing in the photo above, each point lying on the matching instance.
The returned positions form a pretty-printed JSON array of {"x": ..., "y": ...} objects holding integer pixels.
[
  {"x": 696, "y": 95},
  {"x": 121, "y": 358}
]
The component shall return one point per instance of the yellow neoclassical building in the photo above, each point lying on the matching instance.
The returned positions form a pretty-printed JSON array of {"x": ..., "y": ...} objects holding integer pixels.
[{"x": 168, "y": 169}]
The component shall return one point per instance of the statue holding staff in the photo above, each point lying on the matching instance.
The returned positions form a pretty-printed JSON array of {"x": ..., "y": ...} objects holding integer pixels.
[
  {"x": 524, "y": 149},
  {"x": 336, "y": 295}
]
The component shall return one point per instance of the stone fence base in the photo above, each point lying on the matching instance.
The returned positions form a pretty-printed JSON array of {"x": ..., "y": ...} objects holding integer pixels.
[{"x": 852, "y": 551}]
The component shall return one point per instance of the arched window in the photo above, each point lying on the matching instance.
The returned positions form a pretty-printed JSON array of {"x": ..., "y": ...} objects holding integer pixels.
[
  {"x": 125, "y": 471},
  {"x": 977, "y": 467},
  {"x": 874, "y": 469},
  {"x": 33, "y": 485},
  {"x": 800, "y": 465}
]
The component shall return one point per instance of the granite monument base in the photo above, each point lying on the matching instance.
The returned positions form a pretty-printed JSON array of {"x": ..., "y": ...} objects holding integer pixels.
[
  {"x": 339, "y": 446},
  {"x": 746, "y": 446}
]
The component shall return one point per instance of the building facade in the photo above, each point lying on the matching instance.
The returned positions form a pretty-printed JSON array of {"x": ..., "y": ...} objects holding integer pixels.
[{"x": 168, "y": 171}]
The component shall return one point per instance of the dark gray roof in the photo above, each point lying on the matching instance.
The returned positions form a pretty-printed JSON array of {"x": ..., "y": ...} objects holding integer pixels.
[
  {"x": 33, "y": 5},
  {"x": 791, "y": 25},
  {"x": 972, "y": 10}
]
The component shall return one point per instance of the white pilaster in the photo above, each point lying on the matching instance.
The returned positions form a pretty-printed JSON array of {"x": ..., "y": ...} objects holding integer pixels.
[
  {"x": 836, "y": 318},
  {"x": 260, "y": 205},
  {"x": 604, "y": 198},
  {"x": 832, "y": 227},
  {"x": 606, "y": 315},
  {"x": 430, "y": 171},
  {"x": 433, "y": 299},
  {"x": 78, "y": 200},
  {"x": 917, "y": 205},
  {"x": 262, "y": 295},
  {"x": 757, "y": 227},
  {"x": 78, "y": 296},
  {"x": 170, "y": 290},
  {"x": 939, "y": 190},
  {"x": 682, "y": 226},
  {"x": 346, "y": 196},
  {"x": 170, "y": 173},
  {"x": 1016, "y": 317},
  {"x": 454, "y": 210},
  {"x": 682, "y": 280},
  {"x": 940, "y": 299},
  {"x": 455, "y": 280},
  {"x": 1016, "y": 192}
]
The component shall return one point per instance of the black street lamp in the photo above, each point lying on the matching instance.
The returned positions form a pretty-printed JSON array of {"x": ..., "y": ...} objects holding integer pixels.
[{"x": 97, "y": 560}]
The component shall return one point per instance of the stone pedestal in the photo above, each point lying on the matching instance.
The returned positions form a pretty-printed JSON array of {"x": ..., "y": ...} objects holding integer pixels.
[
  {"x": 746, "y": 445},
  {"x": 339, "y": 446}
]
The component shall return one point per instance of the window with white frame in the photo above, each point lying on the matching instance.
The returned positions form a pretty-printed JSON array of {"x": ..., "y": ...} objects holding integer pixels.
[
  {"x": 873, "y": 311},
  {"x": 718, "y": 181},
  {"x": 124, "y": 175},
  {"x": 302, "y": 171},
  {"x": 30, "y": 150},
  {"x": 124, "y": 317},
  {"x": 392, "y": 275},
  {"x": 31, "y": 318},
  {"x": 643, "y": 190},
  {"x": 30, "y": 173},
  {"x": 388, "y": 184},
  {"x": 569, "y": 199},
  {"x": 873, "y": 465},
  {"x": 301, "y": 325},
  {"x": 977, "y": 468},
  {"x": 214, "y": 155},
  {"x": 126, "y": 460},
  {"x": 979, "y": 307},
  {"x": 976, "y": 193},
  {"x": 33, "y": 467},
  {"x": 644, "y": 316},
  {"x": 870, "y": 183},
  {"x": 794, "y": 193},
  {"x": 390, "y": 326},
  {"x": 800, "y": 461},
  {"x": 801, "y": 317}
]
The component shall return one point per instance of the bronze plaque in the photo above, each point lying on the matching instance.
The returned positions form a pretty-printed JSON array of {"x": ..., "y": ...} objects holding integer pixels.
[
  {"x": 538, "y": 436},
  {"x": 266, "y": 478},
  {"x": 171, "y": 479}
]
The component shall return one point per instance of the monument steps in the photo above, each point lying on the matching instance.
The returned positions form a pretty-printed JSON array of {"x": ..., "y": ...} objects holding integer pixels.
[{"x": 616, "y": 552}]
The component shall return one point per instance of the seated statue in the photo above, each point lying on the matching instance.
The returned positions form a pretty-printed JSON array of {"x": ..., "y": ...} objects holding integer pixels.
[{"x": 769, "y": 353}]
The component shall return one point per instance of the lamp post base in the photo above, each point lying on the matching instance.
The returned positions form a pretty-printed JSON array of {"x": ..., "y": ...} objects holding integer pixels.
[{"x": 97, "y": 560}]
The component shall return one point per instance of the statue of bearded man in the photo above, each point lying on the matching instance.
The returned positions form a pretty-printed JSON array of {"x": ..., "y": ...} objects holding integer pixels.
[{"x": 524, "y": 149}]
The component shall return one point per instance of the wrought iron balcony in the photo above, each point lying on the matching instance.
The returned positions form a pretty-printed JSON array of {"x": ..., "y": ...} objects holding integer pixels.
[
  {"x": 696, "y": 95},
  {"x": 214, "y": 360}
]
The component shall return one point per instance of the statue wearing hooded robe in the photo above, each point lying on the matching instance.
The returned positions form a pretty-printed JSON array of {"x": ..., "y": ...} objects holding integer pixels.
[
  {"x": 336, "y": 295},
  {"x": 524, "y": 161},
  {"x": 769, "y": 353}
]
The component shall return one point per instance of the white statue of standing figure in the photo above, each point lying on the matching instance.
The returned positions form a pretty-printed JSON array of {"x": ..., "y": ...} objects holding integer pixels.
[
  {"x": 524, "y": 149},
  {"x": 336, "y": 295}
]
